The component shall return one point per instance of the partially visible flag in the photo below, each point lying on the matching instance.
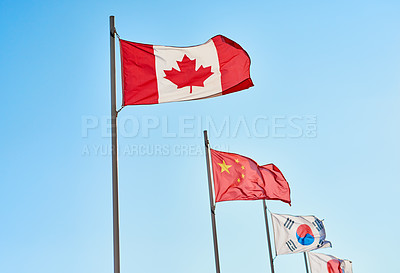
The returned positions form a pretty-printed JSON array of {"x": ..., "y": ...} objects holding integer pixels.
[
  {"x": 323, "y": 263},
  {"x": 237, "y": 177},
  {"x": 295, "y": 234},
  {"x": 156, "y": 74}
]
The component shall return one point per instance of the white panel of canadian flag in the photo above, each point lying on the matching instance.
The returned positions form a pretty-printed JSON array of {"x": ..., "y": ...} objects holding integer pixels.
[{"x": 195, "y": 59}]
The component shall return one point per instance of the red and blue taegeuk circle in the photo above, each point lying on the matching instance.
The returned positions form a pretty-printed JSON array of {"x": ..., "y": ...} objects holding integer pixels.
[
  {"x": 304, "y": 235},
  {"x": 334, "y": 266}
]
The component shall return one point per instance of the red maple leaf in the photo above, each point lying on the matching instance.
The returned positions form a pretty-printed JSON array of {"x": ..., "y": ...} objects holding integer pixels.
[{"x": 188, "y": 76}]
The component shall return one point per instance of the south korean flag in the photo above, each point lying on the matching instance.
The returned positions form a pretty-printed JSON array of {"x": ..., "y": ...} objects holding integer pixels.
[
  {"x": 295, "y": 234},
  {"x": 323, "y": 263}
]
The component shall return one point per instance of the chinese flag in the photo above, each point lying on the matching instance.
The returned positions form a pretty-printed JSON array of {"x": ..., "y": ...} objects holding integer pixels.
[{"x": 237, "y": 177}]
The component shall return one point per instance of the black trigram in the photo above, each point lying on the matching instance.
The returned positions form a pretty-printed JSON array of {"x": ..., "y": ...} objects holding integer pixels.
[
  {"x": 318, "y": 225},
  {"x": 291, "y": 245},
  {"x": 289, "y": 223},
  {"x": 320, "y": 243}
]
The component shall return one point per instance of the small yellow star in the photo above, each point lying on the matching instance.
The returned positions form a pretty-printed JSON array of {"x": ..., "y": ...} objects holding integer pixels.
[
  {"x": 237, "y": 160},
  {"x": 224, "y": 167},
  {"x": 242, "y": 175},
  {"x": 238, "y": 180},
  {"x": 242, "y": 167}
]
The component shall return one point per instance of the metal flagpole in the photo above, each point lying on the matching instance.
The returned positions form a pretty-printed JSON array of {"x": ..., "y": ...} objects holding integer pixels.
[
  {"x": 306, "y": 261},
  {"x": 212, "y": 205},
  {"x": 114, "y": 148},
  {"x": 271, "y": 260}
]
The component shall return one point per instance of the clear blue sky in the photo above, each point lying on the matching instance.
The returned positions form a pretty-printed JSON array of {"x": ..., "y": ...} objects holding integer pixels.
[{"x": 324, "y": 109}]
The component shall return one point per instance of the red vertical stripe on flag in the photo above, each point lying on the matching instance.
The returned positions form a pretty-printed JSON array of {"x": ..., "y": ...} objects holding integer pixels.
[
  {"x": 139, "y": 80},
  {"x": 234, "y": 63}
]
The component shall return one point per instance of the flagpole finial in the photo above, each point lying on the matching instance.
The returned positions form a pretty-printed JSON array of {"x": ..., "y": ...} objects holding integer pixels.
[
  {"x": 112, "y": 26},
  {"x": 206, "y": 138}
]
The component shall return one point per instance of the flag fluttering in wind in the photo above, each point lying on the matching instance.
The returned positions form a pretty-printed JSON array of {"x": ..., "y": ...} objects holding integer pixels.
[
  {"x": 155, "y": 74},
  {"x": 295, "y": 234},
  {"x": 237, "y": 177},
  {"x": 323, "y": 263}
]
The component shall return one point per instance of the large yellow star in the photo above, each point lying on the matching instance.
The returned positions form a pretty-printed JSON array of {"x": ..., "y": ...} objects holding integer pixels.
[{"x": 224, "y": 167}]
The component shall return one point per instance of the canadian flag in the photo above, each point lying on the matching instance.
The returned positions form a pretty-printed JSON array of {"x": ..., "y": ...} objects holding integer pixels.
[
  {"x": 156, "y": 74},
  {"x": 323, "y": 263}
]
